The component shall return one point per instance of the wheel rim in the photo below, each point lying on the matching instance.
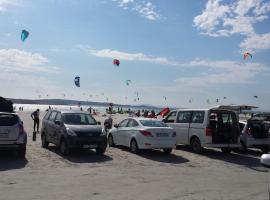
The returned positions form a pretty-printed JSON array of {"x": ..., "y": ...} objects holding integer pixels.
[{"x": 133, "y": 146}]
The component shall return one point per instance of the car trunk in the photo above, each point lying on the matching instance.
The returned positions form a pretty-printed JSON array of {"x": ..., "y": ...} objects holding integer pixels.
[
  {"x": 258, "y": 128},
  {"x": 9, "y": 127},
  {"x": 224, "y": 127},
  {"x": 160, "y": 133}
]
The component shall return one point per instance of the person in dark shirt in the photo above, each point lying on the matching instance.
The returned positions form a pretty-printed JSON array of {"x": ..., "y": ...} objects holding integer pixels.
[{"x": 35, "y": 117}]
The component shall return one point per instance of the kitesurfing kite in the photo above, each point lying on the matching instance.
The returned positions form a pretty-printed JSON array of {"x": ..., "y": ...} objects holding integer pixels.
[
  {"x": 165, "y": 98},
  {"x": 77, "y": 81},
  {"x": 246, "y": 54},
  {"x": 24, "y": 35},
  {"x": 116, "y": 62},
  {"x": 255, "y": 97},
  {"x": 128, "y": 82},
  {"x": 217, "y": 100}
]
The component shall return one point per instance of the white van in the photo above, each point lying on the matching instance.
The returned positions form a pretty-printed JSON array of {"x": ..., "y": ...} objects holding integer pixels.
[{"x": 214, "y": 127}]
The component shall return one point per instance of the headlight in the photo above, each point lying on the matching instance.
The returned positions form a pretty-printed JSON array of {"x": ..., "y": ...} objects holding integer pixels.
[{"x": 71, "y": 132}]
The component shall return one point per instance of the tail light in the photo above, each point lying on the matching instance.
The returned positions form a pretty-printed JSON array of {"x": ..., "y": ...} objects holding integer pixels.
[
  {"x": 146, "y": 133},
  {"x": 21, "y": 129},
  {"x": 248, "y": 132},
  {"x": 208, "y": 131},
  {"x": 174, "y": 134}
]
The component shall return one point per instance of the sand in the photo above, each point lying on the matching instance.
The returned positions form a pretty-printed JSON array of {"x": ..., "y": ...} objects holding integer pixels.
[{"x": 121, "y": 175}]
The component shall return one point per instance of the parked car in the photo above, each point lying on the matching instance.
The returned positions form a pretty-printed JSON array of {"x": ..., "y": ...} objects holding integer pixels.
[
  {"x": 142, "y": 133},
  {"x": 214, "y": 127},
  {"x": 262, "y": 116},
  {"x": 72, "y": 129},
  {"x": 12, "y": 133},
  {"x": 255, "y": 134}
]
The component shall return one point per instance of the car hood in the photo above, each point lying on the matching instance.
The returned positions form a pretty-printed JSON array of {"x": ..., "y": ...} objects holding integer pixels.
[{"x": 85, "y": 128}]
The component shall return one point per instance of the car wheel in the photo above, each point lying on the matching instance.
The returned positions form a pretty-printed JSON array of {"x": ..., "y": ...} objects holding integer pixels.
[
  {"x": 110, "y": 141},
  {"x": 100, "y": 150},
  {"x": 64, "y": 150},
  {"x": 134, "y": 146},
  {"x": 44, "y": 142},
  {"x": 196, "y": 145},
  {"x": 22, "y": 151},
  {"x": 243, "y": 147},
  {"x": 167, "y": 151},
  {"x": 226, "y": 150},
  {"x": 265, "y": 149}
]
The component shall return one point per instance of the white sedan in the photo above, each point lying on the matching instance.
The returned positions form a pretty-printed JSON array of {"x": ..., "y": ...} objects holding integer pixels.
[{"x": 142, "y": 133}]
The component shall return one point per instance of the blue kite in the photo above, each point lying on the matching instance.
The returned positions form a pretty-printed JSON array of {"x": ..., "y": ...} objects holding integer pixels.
[
  {"x": 24, "y": 35},
  {"x": 77, "y": 81}
]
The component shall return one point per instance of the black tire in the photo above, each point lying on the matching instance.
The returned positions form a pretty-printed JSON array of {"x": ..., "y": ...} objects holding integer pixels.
[
  {"x": 44, "y": 143},
  {"x": 196, "y": 145},
  {"x": 167, "y": 151},
  {"x": 265, "y": 149},
  {"x": 226, "y": 150},
  {"x": 100, "y": 150},
  {"x": 64, "y": 149},
  {"x": 134, "y": 146},
  {"x": 110, "y": 141},
  {"x": 243, "y": 147},
  {"x": 22, "y": 151}
]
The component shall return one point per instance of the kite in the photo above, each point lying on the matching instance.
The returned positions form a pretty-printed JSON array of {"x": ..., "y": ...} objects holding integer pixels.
[
  {"x": 24, "y": 35},
  {"x": 116, "y": 62},
  {"x": 164, "y": 112},
  {"x": 224, "y": 97},
  {"x": 255, "y": 97},
  {"x": 217, "y": 100},
  {"x": 246, "y": 54},
  {"x": 128, "y": 82},
  {"x": 165, "y": 98},
  {"x": 77, "y": 81}
]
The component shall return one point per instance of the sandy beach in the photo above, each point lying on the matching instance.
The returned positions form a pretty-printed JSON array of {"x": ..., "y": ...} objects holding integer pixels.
[{"x": 121, "y": 175}]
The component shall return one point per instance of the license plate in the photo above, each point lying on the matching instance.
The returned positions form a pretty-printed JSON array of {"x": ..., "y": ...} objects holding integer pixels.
[
  {"x": 162, "y": 134},
  {"x": 92, "y": 146}
]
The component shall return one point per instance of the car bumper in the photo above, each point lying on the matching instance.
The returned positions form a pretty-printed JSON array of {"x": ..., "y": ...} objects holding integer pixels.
[
  {"x": 89, "y": 143},
  {"x": 152, "y": 144},
  {"x": 250, "y": 142}
]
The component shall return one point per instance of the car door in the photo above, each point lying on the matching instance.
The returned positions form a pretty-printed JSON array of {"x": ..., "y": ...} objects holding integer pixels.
[
  {"x": 132, "y": 128},
  {"x": 118, "y": 135},
  {"x": 181, "y": 127},
  {"x": 50, "y": 129},
  {"x": 57, "y": 129},
  {"x": 197, "y": 125}
]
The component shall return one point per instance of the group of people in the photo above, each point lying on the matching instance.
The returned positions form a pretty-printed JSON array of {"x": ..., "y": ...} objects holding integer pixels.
[{"x": 145, "y": 113}]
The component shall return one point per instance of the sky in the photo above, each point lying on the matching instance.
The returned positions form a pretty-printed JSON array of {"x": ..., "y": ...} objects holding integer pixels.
[{"x": 186, "y": 53}]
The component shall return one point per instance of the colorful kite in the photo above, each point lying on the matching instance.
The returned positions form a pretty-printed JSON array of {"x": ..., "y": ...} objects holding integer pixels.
[
  {"x": 116, "y": 62},
  {"x": 77, "y": 81},
  {"x": 24, "y": 35}
]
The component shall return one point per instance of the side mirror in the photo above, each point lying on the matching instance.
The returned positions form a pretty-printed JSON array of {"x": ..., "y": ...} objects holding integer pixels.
[
  {"x": 116, "y": 126},
  {"x": 98, "y": 123},
  {"x": 265, "y": 160},
  {"x": 57, "y": 122}
]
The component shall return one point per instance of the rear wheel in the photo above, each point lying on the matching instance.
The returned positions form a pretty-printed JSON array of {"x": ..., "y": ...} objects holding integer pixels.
[
  {"x": 64, "y": 150},
  {"x": 100, "y": 150},
  {"x": 196, "y": 145},
  {"x": 265, "y": 149},
  {"x": 22, "y": 151},
  {"x": 44, "y": 142},
  {"x": 243, "y": 147},
  {"x": 167, "y": 151},
  {"x": 110, "y": 141},
  {"x": 134, "y": 146},
  {"x": 226, "y": 150}
]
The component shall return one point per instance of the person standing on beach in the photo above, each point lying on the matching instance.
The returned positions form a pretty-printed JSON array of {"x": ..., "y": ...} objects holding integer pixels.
[{"x": 35, "y": 117}]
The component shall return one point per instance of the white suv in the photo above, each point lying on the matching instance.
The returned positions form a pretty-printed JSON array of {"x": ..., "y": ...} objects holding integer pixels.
[{"x": 12, "y": 133}]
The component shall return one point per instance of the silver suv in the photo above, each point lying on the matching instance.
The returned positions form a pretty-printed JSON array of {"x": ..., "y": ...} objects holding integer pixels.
[{"x": 12, "y": 133}]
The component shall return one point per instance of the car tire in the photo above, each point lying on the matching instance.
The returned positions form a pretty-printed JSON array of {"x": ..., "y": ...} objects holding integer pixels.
[
  {"x": 64, "y": 149},
  {"x": 226, "y": 150},
  {"x": 265, "y": 149},
  {"x": 167, "y": 151},
  {"x": 243, "y": 147},
  {"x": 100, "y": 150},
  {"x": 196, "y": 145},
  {"x": 134, "y": 146},
  {"x": 110, "y": 141},
  {"x": 22, "y": 151},
  {"x": 44, "y": 142}
]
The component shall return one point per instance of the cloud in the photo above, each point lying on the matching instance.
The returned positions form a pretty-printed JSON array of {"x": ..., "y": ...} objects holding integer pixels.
[
  {"x": 6, "y": 3},
  {"x": 145, "y": 9},
  {"x": 255, "y": 42},
  {"x": 18, "y": 60},
  {"x": 239, "y": 17},
  {"x": 108, "y": 53}
]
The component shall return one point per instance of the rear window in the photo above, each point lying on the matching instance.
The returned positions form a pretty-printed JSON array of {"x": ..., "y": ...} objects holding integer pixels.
[
  {"x": 8, "y": 120},
  {"x": 151, "y": 123}
]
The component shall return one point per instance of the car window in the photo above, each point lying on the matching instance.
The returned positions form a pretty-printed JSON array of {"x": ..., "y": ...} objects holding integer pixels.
[
  {"x": 79, "y": 119},
  {"x": 132, "y": 123},
  {"x": 171, "y": 117},
  {"x": 124, "y": 123},
  {"x": 58, "y": 117},
  {"x": 183, "y": 117},
  {"x": 52, "y": 116},
  {"x": 197, "y": 117},
  {"x": 46, "y": 117},
  {"x": 8, "y": 120},
  {"x": 153, "y": 123}
]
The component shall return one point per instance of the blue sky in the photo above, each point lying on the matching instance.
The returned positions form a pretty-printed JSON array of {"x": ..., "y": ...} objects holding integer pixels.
[{"x": 188, "y": 51}]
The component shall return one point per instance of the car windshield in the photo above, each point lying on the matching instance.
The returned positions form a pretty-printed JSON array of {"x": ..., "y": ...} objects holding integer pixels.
[
  {"x": 152, "y": 123},
  {"x": 78, "y": 119},
  {"x": 8, "y": 120}
]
